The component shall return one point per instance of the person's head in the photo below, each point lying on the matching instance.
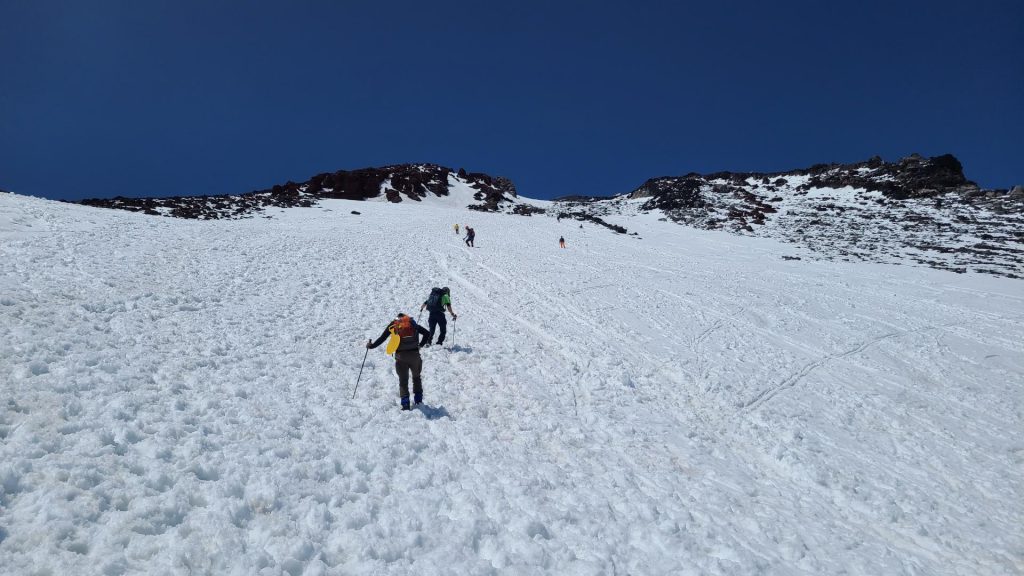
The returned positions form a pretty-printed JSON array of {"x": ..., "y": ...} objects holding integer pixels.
[{"x": 446, "y": 290}]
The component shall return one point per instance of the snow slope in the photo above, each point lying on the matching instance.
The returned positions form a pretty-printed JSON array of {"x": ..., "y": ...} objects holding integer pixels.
[
  {"x": 961, "y": 231},
  {"x": 177, "y": 399}
]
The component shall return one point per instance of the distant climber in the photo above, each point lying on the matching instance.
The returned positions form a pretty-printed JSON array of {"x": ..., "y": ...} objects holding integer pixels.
[
  {"x": 439, "y": 299},
  {"x": 406, "y": 348},
  {"x": 561, "y": 241},
  {"x": 470, "y": 235},
  {"x": 456, "y": 226}
]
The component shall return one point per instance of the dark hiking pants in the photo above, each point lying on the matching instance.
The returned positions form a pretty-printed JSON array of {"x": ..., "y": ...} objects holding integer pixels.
[
  {"x": 406, "y": 361},
  {"x": 437, "y": 319}
]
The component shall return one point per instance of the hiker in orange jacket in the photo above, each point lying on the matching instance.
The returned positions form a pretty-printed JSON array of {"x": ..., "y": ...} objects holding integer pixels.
[{"x": 407, "y": 356}]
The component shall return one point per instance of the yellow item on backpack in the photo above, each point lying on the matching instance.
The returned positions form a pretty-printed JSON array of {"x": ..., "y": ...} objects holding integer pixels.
[
  {"x": 401, "y": 327},
  {"x": 393, "y": 342}
]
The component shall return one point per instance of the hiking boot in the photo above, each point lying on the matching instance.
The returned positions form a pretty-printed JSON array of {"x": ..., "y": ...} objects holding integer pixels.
[
  {"x": 418, "y": 400},
  {"x": 405, "y": 404}
]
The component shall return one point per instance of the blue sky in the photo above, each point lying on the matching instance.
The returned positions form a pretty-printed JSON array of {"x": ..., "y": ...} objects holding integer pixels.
[{"x": 157, "y": 98}]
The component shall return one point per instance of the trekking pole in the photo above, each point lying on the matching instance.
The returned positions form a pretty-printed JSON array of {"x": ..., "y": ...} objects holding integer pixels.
[
  {"x": 360, "y": 372},
  {"x": 454, "y": 323}
]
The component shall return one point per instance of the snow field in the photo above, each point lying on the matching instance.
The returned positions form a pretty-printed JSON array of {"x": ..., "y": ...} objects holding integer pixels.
[{"x": 177, "y": 398}]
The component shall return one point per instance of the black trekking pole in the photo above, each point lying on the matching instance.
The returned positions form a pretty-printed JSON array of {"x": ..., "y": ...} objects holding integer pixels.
[{"x": 360, "y": 372}]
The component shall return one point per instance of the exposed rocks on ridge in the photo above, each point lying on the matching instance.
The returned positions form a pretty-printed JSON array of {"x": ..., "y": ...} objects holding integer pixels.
[
  {"x": 402, "y": 182},
  {"x": 921, "y": 209},
  {"x": 916, "y": 209}
]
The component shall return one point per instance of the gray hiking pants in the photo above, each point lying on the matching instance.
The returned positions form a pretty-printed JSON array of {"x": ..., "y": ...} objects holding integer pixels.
[{"x": 406, "y": 361}]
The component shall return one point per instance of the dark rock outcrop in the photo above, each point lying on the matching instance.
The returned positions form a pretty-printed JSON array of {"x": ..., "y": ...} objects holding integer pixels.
[
  {"x": 587, "y": 217},
  {"x": 396, "y": 183},
  {"x": 910, "y": 177},
  {"x": 740, "y": 200},
  {"x": 874, "y": 210}
]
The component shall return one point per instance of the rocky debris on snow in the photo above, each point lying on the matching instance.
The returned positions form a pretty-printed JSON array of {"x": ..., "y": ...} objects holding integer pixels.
[
  {"x": 921, "y": 209},
  {"x": 396, "y": 183},
  {"x": 526, "y": 209},
  {"x": 586, "y": 217},
  {"x": 210, "y": 207},
  {"x": 492, "y": 192}
]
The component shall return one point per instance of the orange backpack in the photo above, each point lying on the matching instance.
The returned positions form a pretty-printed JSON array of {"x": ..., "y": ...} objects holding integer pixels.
[
  {"x": 403, "y": 327},
  {"x": 399, "y": 328}
]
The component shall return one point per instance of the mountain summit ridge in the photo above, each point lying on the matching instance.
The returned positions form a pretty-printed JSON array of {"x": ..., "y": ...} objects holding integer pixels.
[
  {"x": 919, "y": 209},
  {"x": 395, "y": 183},
  {"x": 916, "y": 209}
]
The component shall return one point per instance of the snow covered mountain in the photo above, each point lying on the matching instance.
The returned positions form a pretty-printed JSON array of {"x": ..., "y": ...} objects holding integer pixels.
[
  {"x": 414, "y": 182},
  {"x": 178, "y": 396},
  {"x": 920, "y": 211},
  {"x": 916, "y": 210}
]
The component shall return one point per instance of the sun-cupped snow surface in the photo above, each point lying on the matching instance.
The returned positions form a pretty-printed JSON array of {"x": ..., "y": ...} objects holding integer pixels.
[{"x": 178, "y": 397}]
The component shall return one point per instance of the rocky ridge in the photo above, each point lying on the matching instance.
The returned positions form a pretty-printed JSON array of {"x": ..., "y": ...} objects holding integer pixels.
[
  {"x": 918, "y": 210},
  {"x": 398, "y": 183},
  {"x": 921, "y": 209}
]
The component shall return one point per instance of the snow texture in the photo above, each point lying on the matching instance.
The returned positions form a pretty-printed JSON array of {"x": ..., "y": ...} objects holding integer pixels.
[
  {"x": 176, "y": 397},
  {"x": 961, "y": 229}
]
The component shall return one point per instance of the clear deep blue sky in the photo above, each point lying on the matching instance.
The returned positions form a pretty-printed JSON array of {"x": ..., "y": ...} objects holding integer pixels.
[{"x": 168, "y": 97}]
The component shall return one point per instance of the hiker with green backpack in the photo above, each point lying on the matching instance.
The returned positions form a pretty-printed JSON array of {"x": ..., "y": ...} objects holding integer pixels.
[{"x": 439, "y": 299}]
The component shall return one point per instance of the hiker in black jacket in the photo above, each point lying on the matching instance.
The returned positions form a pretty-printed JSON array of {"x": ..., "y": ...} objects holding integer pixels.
[
  {"x": 439, "y": 300},
  {"x": 407, "y": 355}
]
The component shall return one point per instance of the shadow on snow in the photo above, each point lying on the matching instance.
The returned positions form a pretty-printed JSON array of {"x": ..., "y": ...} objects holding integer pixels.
[{"x": 434, "y": 412}]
